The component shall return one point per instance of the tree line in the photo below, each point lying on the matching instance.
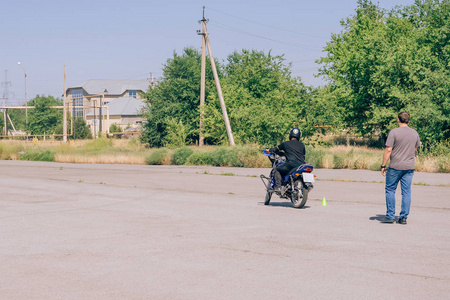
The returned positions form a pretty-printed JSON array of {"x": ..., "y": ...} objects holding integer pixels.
[
  {"x": 381, "y": 63},
  {"x": 43, "y": 119}
]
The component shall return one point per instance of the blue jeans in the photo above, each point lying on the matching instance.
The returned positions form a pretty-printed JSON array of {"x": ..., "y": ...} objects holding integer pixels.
[{"x": 393, "y": 176}]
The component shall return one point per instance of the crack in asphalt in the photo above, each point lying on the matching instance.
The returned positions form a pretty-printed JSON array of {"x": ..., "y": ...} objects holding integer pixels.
[{"x": 401, "y": 273}]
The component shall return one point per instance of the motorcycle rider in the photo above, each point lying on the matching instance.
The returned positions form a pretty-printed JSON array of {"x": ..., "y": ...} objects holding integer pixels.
[{"x": 294, "y": 150}]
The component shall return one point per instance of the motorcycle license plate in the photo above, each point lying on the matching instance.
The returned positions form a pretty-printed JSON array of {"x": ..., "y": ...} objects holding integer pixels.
[{"x": 308, "y": 177}]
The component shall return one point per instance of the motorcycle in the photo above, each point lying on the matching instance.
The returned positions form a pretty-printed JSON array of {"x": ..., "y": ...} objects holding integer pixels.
[{"x": 295, "y": 185}]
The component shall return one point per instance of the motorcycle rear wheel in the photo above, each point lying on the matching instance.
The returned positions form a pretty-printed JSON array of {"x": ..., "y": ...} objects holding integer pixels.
[
  {"x": 299, "y": 197},
  {"x": 268, "y": 197}
]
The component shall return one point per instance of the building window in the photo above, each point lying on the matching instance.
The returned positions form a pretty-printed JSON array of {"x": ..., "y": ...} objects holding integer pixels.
[
  {"x": 132, "y": 93},
  {"x": 77, "y": 103}
]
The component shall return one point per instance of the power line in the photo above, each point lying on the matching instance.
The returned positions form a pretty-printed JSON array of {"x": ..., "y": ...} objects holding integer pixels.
[
  {"x": 270, "y": 26},
  {"x": 227, "y": 27},
  {"x": 145, "y": 75}
]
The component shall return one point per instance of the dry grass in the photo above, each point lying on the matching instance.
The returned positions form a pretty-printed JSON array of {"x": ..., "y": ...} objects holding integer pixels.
[
  {"x": 433, "y": 164},
  {"x": 427, "y": 164},
  {"x": 345, "y": 157},
  {"x": 125, "y": 158},
  {"x": 260, "y": 161},
  {"x": 354, "y": 157},
  {"x": 130, "y": 151}
]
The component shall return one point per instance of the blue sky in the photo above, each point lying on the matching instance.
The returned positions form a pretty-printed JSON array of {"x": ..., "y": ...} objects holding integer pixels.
[{"x": 118, "y": 39}]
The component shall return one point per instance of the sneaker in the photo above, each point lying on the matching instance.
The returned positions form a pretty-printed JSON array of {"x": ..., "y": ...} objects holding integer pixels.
[
  {"x": 387, "y": 221},
  {"x": 402, "y": 221}
]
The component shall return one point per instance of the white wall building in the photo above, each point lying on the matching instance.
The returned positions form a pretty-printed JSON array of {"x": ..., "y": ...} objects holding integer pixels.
[
  {"x": 88, "y": 97},
  {"x": 125, "y": 112}
]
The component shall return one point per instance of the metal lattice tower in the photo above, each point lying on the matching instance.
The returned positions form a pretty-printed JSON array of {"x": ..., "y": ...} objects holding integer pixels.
[{"x": 6, "y": 92}]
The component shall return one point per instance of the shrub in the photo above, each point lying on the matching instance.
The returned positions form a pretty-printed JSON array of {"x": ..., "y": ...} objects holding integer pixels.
[
  {"x": 225, "y": 157},
  {"x": 36, "y": 155},
  {"x": 45, "y": 156},
  {"x": 339, "y": 160},
  {"x": 434, "y": 158},
  {"x": 114, "y": 128},
  {"x": 199, "y": 158},
  {"x": 158, "y": 157},
  {"x": 443, "y": 163},
  {"x": 133, "y": 142},
  {"x": 251, "y": 157},
  {"x": 238, "y": 156},
  {"x": 181, "y": 155},
  {"x": 10, "y": 152},
  {"x": 315, "y": 157},
  {"x": 98, "y": 144},
  {"x": 81, "y": 131},
  {"x": 375, "y": 166}
]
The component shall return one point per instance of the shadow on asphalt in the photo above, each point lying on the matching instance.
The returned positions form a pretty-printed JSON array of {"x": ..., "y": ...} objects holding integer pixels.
[
  {"x": 380, "y": 218},
  {"x": 283, "y": 204}
]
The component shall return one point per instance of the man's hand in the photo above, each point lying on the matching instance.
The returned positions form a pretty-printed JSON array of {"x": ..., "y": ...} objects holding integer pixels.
[{"x": 386, "y": 157}]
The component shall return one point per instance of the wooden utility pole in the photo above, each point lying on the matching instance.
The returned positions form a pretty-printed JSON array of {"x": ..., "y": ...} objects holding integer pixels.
[
  {"x": 206, "y": 42},
  {"x": 5, "y": 112},
  {"x": 202, "y": 80},
  {"x": 5, "y": 118},
  {"x": 219, "y": 91},
  {"x": 65, "y": 109},
  {"x": 152, "y": 81}
]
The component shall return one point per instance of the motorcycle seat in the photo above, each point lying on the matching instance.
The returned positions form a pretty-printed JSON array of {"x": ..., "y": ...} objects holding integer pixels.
[{"x": 301, "y": 168}]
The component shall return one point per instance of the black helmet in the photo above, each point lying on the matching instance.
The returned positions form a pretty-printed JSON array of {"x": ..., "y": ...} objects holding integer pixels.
[{"x": 295, "y": 133}]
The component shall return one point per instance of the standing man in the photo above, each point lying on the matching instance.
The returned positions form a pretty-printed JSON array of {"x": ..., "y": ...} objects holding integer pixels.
[{"x": 401, "y": 147}]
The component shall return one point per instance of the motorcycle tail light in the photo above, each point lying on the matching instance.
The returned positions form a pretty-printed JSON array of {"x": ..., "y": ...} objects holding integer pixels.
[{"x": 308, "y": 170}]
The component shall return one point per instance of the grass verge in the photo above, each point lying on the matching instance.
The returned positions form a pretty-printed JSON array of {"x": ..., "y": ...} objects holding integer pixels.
[{"x": 110, "y": 151}]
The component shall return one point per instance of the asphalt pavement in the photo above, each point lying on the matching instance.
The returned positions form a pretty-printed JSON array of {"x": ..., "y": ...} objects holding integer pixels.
[{"x": 90, "y": 231}]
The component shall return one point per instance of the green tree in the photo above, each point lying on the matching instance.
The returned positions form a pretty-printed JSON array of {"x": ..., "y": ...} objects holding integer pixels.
[
  {"x": 177, "y": 95},
  {"x": 2, "y": 123},
  {"x": 323, "y": 114},
  {"x": 81, "y": 131},
  {"x": 18, "y": 118},
  {"x": 114, "y": 128},
  {"x": 177, "y": 133},
  {"x": 263, "y": 100},
  {"x": 385, "y": 62},
  {"x": 44, "y": 119}
]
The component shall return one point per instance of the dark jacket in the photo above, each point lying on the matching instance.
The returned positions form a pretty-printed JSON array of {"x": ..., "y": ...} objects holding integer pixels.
[{"x": 293, "y": 149}]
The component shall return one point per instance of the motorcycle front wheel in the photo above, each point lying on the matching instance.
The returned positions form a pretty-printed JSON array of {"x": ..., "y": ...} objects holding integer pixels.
[
  {"x": 268, "y": 196},
  {"x": 299, "y": 197}
]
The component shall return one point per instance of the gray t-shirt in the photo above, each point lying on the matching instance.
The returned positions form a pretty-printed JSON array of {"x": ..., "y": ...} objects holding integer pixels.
[{"x": 404, "y": 141}]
